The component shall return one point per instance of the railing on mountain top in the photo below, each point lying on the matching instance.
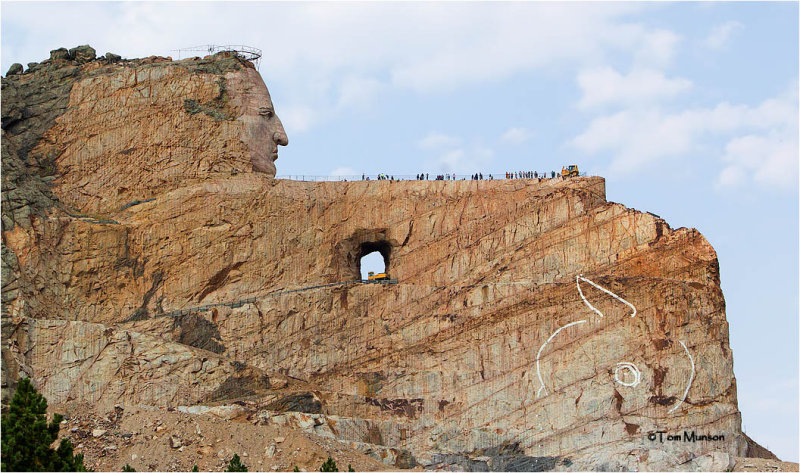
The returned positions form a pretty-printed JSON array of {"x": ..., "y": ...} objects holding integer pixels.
[
  {"x": 248, "y": 53},
  {"x": 411, "y": 177}
]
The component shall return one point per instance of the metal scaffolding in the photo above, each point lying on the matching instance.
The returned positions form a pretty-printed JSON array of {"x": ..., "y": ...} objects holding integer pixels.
[{"x": 248, "y": 53}]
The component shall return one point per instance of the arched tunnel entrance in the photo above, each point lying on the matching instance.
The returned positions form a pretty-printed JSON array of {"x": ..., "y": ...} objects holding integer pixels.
[
  {"x": 366, "y": 250},
  {"x": 375, "y": 258}
]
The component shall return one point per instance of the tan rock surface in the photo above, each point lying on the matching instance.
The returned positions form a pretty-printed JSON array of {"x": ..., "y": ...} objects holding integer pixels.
[
  {"x": 763, "y": 464},
  {"x": 484, "y": 352},
  {"x": 142, "y": 438},
  {"x": 104, "y": 365}
]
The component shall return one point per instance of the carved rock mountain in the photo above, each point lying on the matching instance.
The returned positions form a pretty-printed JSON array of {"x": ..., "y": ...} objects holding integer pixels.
[{"x": 533, "y": 324}]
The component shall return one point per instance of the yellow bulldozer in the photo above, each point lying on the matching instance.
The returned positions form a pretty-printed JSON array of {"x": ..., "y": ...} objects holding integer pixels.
[
  {"x": 371, "y": 276},
  {"x": 570, "y": 171}
]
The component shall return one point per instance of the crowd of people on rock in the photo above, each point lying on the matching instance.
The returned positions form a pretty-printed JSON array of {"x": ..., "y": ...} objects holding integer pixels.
[
  {"x": 380, "y": 177},
  {"x": 452, "y": 177},
  {"x": 475, "y": 177},
  {"x": 479, "y": 176},
  {"x": 530, "y": 175}
]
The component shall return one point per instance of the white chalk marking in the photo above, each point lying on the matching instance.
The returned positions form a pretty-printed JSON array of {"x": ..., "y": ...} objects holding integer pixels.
[
  {"x": 691, "y": 378},
  {"x": 577, "y": 283},
  {"x": 637, "y": 375},
  {"x": 538, "y": 372}
]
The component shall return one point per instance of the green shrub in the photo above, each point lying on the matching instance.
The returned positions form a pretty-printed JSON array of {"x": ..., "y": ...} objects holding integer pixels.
[
  {"x": 236, "y": 464},
  {"x": 329, "y": 465},
  {"x": 26, "y": 436},
  {"x": 128, "y": 468}
]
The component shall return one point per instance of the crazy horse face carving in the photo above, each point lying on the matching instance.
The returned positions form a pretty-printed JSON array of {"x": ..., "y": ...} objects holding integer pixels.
[{"x": 263, "y": 131}]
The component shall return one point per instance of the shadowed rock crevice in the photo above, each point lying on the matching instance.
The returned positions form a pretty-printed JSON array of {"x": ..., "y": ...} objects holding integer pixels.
[
  {"x": 217, "y": 280},
  {"x": 31, "y": 103},
  {"x": 508, "y": 456},
  {"x": 143, "y": 312},
  {"x": 198, "y": 332},
  {"x": 402, "y": 407},
  {"x": 245, "y": 382},
  {"x": 456, "y": 462},
  {"x": 303, "y": 402}
]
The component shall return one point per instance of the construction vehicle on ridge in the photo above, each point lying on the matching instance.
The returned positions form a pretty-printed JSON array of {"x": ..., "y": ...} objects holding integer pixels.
[
  {"x": 570, "y": 171},
  {"x": 371, "y": 276}
]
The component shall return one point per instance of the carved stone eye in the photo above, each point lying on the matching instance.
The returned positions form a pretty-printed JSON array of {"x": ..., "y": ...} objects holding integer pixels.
[{"x": 265, "y": 112}]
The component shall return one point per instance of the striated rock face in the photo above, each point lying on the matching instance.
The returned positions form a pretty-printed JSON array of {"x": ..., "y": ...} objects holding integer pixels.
[
  {"x": 103, "y": 365},
  {"x": 533, "y": 325}
]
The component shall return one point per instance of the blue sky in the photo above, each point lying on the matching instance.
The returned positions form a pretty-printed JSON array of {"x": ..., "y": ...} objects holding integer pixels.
[{"x": 688, "y": 109}]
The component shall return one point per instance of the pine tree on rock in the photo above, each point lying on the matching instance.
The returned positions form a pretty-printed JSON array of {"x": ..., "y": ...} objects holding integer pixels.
[
  {"x": 329, "y": 465},
  {"x": 236, "y": 464},
  {"x": 26, "y": 436}
]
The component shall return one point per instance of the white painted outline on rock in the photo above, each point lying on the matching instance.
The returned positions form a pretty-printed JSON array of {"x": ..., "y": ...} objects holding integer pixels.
[
  {"x": 538, "y": 372},
  {"x": 626, "y": 365},
  {"x": 577, "y": 283},
  {"x": 621, "y": 366},
  {"x": 691, "y": 378}
]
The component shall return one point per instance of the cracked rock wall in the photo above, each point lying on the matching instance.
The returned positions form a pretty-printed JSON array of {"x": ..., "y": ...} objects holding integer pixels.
[{"x": 152, "y": 210}]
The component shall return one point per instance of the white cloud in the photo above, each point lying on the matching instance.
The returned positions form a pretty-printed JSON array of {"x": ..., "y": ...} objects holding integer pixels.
[
  {"x": 452, "y": 161},
  {"x": 358, "y": 92},
  {"x": 515, "y": 135},
  {"x": 343, "y": 171},
  {"x": 636, "y": 138},
  {"x": 762, "y": 142},
  {"x": 656, "y": 48},
  {"x": 603, "y": 86},
  {"x": 464, "y": 161},
  {"x": 354, "y": 52},
  {"x": 436, "y": 140},
  {"x": 490, "y": 42},
  {"x": 731, "y": 176},
  {"x": 720, "y": 34},
  {"x": 297, "y": 119},
  {"x": 448, "y": 155},
  {"x": 768, "y": 159}
]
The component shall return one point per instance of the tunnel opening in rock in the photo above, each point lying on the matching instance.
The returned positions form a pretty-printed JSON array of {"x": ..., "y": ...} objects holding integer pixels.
[
  {"x": 346, "y": 258},
  {"x": 371, "y": 264},
  {"x": 373, "y": 257}
]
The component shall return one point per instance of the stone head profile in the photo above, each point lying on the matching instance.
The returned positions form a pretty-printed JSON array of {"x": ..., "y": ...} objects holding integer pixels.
[
  {"x": 162, "y": 122},
  {"x": 263, "y": 131}
]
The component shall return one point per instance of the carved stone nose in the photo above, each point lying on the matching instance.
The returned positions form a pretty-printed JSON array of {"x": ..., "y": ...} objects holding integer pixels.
[{"x": 280, "y": 138}]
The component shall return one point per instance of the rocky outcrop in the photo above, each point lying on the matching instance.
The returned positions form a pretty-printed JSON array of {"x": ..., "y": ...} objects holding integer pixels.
[
  {"x": 102, "y": 365},
  {"x": 533, "y": 325}
]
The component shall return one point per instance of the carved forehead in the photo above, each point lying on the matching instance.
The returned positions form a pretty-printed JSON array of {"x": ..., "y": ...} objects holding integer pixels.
[{"x": 248, "y": 90}]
